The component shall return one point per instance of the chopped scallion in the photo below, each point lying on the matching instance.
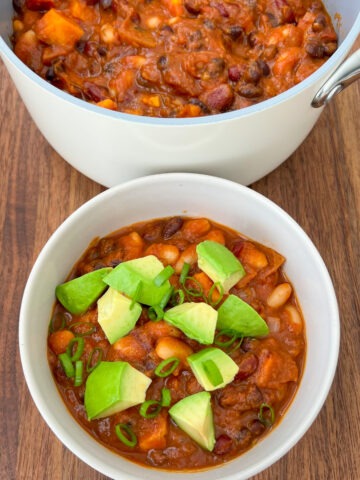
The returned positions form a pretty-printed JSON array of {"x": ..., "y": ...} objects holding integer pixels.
[
  {"x": 57, "y": 322},
  {"x": 210, "y": 301},
  {"x": 184, "y": 273},
  {"x": 67, "y": 364},
  {"x": 268, "y": 418},
  {"x": 178, "y": 297},
  {"x": 91, "y": 364},
  {"x": 164, "y": 275},
  {"x": 79, "y": 368},
  {"x": 125, "y": 434},
  {"x": 91, "y": 328},
  {"x": 166, "y": 367},
  {"x": 150, "y": 409},
  {"x": 156, "y": 313},
  {"x": 227, "y": 343},
  {"x": 74, "y": 356},
  {"x": 193, "y": 292},
  {"x": 165, "y": 397},
  {"x": 164, "y": 301}
]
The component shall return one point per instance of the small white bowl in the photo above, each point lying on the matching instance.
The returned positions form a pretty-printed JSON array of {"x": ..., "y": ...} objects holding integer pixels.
[{"x": 225, "y": 202}]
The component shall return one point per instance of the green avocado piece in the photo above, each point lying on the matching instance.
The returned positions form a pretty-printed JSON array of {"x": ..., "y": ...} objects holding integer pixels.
[
  {"x": 113, "y": 387},
  {"x": 212, "y": 368},
  {"x": 127, "y": 276},
  {"x": 117, "y": 314},
  {"x": 219, "y": 264},
  {"x": 79, "y": 294},
  {"x": 196, "y": 320},
  {"x": 193, "y": 414},
  {"x": 240, "y": 317}
]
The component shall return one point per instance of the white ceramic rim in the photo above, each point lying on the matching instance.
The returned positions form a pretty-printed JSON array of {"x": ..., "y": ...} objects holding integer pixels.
[
  {"x": 30, "y": 375},
  {"x": 319, "y": 75}
]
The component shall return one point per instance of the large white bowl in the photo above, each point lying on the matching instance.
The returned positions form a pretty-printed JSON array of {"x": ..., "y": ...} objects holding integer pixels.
[
  {"x": 244, "y": 145},
  {"x": 195, "y": 195}
]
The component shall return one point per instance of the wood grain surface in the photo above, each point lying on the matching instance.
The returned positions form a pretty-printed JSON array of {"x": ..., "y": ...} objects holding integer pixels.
[{"x": 319, "y": 186}]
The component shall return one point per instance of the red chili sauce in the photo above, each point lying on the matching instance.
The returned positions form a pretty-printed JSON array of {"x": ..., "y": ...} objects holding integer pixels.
[
  {"x": 173, "y": 58},
  {"x": 270, "y": 367}
]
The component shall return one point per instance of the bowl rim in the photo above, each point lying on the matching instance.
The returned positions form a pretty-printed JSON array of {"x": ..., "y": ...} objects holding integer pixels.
[
  {"x": 30, "y": 374},
  {"x": 319, "y": 75}
]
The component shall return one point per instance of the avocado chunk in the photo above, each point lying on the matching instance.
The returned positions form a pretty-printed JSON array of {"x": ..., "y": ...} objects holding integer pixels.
[
  {"x": 220, "y": 264},
  {"x": 196, "y": 320},
  {"x": 194, "y": 416},
  {"x": 113, "y": 387},
  {"x": 241, "y": 318},
  {"x": 137, "y": 277},
  {"x": 212, "y": 368},
  {"x": 117, "y": 314},
  {"x": 79, "y": 294}
]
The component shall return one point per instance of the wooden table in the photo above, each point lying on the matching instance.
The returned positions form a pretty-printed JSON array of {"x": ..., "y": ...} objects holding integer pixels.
[{"x": 319, "y": 186}]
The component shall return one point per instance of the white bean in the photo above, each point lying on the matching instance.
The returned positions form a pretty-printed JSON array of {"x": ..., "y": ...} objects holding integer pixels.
[{"x": 279, "y": 296}]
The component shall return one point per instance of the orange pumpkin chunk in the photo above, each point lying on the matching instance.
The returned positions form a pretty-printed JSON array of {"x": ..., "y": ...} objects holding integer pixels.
[{"x": 54, "y": 28}]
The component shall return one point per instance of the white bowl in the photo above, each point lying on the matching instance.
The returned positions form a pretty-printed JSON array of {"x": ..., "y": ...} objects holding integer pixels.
[
  {"x": 244, "y": 145},
  {"x": 195, "y": 195}
]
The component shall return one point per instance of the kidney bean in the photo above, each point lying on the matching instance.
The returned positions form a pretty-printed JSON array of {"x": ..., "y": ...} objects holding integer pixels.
[
  {"x": 235, "y": 32},
  {"x": 220, "y": 98},
  {"x": 256, "y": 427},
  {"x": 223, "y": 444},
  {"x": 235, "y": 72},
  {"x": 253, "y": 73},
  {"x": 171, "y": 227},
  {"x": 152, "y": 232},
  {"x": 18, "y": 5},
  {"x": 199, "y": 103},
  {"x": 247, "y": 366},
  {"x": 315, "y": 49},
  {"x": 162, "y": 62},
  {"x": 94, "y": 92},
  {"x": 265, "y": 69},
  {"x": 50, "y": 73}
]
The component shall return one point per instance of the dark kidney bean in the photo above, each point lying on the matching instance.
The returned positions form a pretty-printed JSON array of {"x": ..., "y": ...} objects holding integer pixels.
[
  {"x": 235, "y": 32},
  {"x": 50, "y": 74},
  {"x": 171, "y": 227},
  {"x": 94, "y": 92},
  {"x": 162, "y": 62},
  {"x": 247, "y": 366},
  {"x": 18, "y": 5},
  {"x": 223, "y": 445},
  {"x": 315, "y": 49},
  {"x": 256, "y": 427},
  {"x": 220, "y": 98},
  {"x": 265, "y": 69},
  {"x": 253, "y": 73},
  {"x": 235, "y": 72},
  {"x": 152, "y": 232},
  {"x": 199, "y": 103}
]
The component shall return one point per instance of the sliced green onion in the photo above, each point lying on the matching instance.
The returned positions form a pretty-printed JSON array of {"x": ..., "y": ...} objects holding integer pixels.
[
  {"x": 228, "y": 333},
  {"x": 125, "y": 434},
  {"x": 213, "y": 373},
  {"x": 136, "y": 294},
  {"x": 79, "y": 368},
  {"x": 67, "y": 365},
  {"x": 177, "y": 293},
  {"x": 74, "y": 356},
  {"x": 150, "y": 409},
  {"x": 164, "y": 275},
  {"x": 165, "y": 397},
  {"x": 219, "y": 287},
  {"x": 166, "y": 367},
  {"x": 155, "y": 313},
  {"x": 264, "y": 418},
  {"x": 184, "y": 273},
  {"x": 90, "y": 366},
  {"x": 57, "y": 322},
  {"x": 236, "y": 345},
  {"x": 164, "y": 301},
  {"x": 193, "y": 292},
  {"x": 91, "y": 328}
]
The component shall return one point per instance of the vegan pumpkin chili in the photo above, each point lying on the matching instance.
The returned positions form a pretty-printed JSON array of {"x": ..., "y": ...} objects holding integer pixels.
[
  {"x": 195, "y": 331},
  {"x": 173, "y": 58}
]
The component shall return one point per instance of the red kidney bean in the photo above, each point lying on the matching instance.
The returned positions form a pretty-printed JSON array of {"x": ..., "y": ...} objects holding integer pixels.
[
  {"x": 315, "y": 49},
  {"x": 171, "y": 227},
  {"x": 247, "y": 366},
  {"x": 220, "y": 98},
  {"x": 223, "y": 445}
]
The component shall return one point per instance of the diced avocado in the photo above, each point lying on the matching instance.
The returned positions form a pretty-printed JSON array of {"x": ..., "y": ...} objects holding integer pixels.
[
  {"x": 238, "y": 316},
  {"x": 212, "y": 368},
  {"x": 117, "y": 314},
  {"x": 196, "y": 320},
  {"x": 79, "y": 294},
  {"x": 113, "y": 387},
  {"x": 194, "y": 416},
  {"x": 219, "y": 264},
  {"x": 127, "y": 276}
]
